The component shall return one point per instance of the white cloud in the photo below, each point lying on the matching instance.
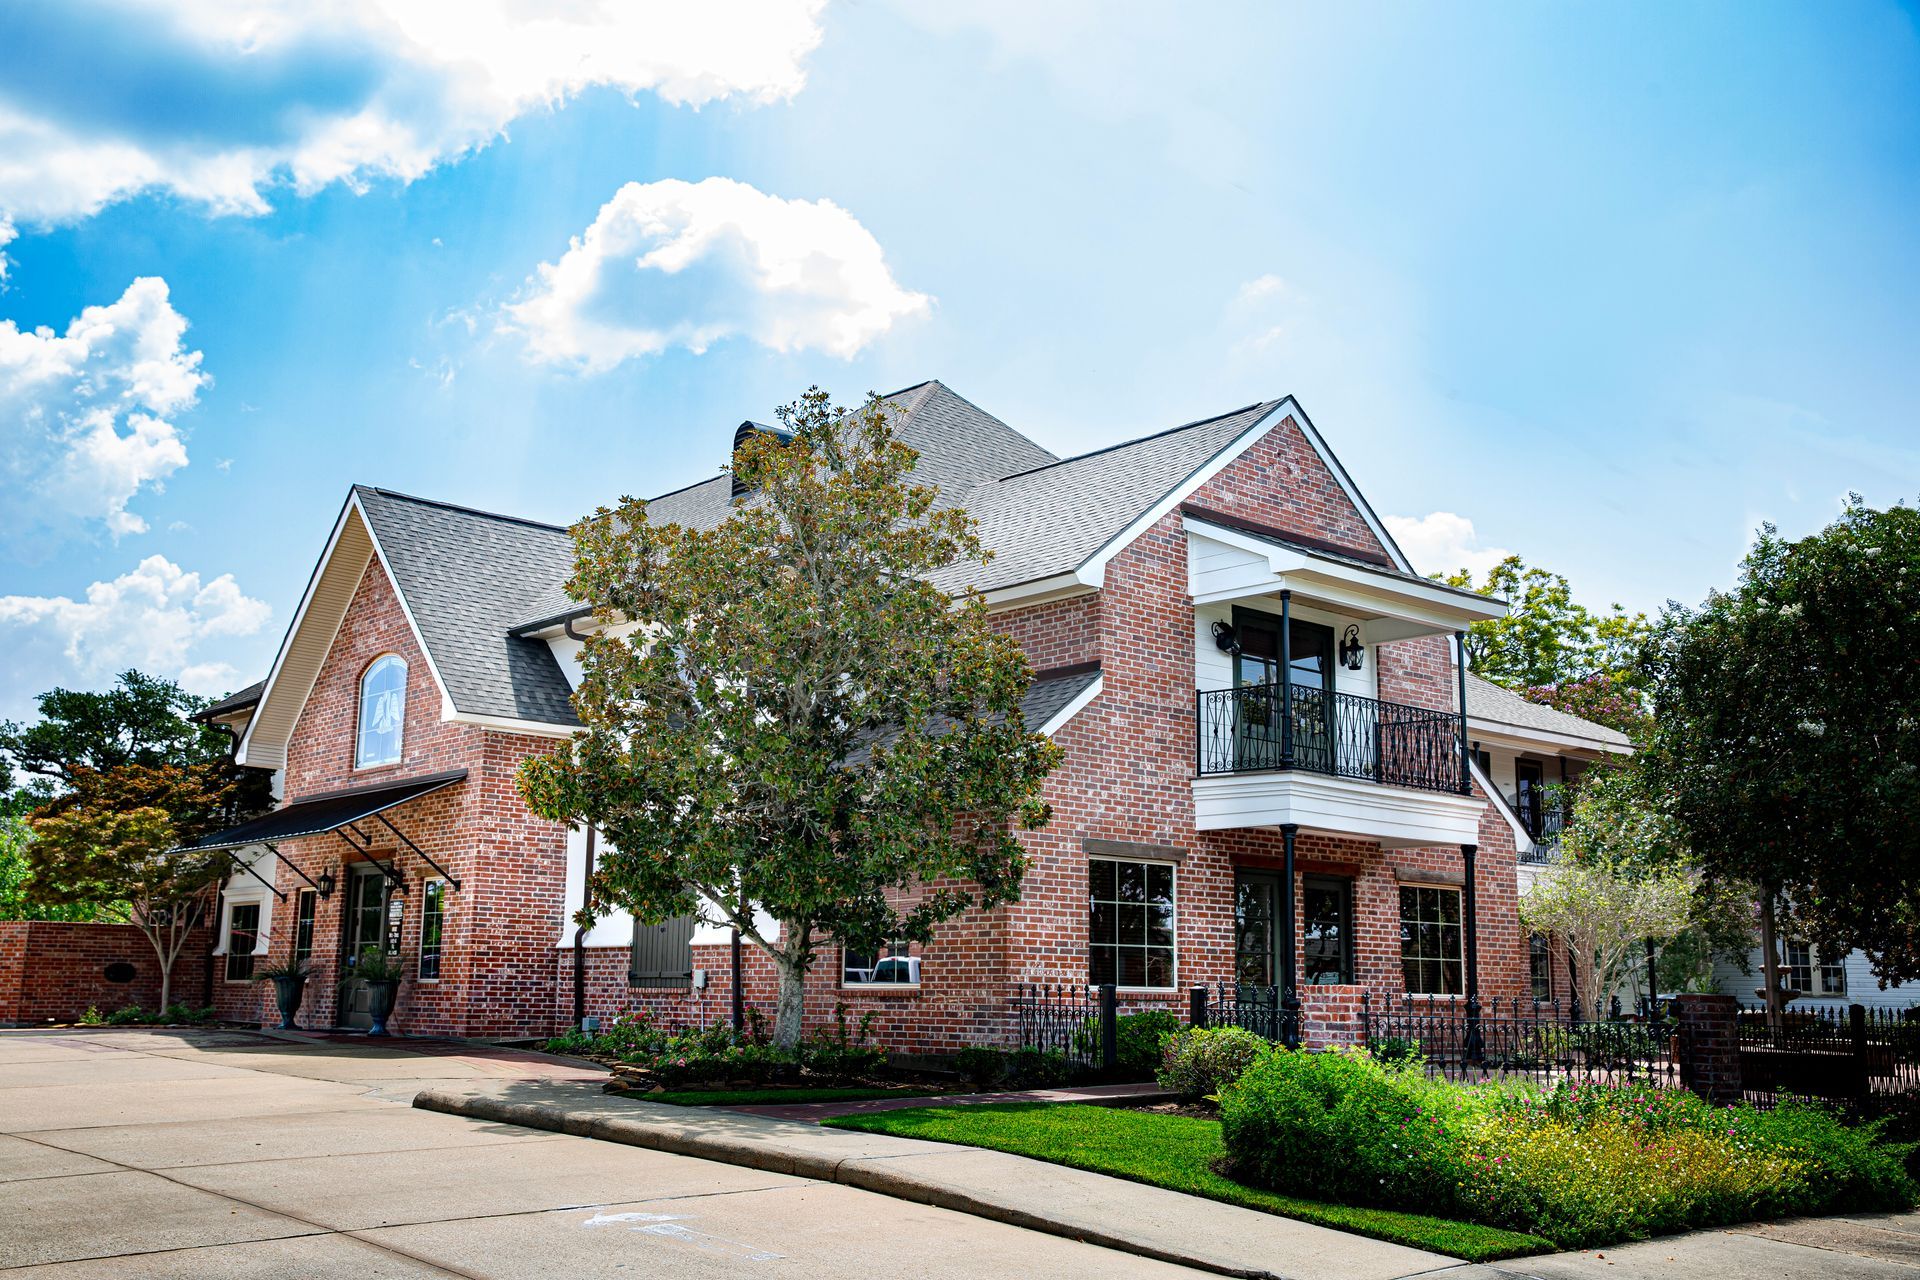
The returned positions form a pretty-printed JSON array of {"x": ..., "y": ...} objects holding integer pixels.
[
  {"x": 7, "y": 234},
  {"x": 674, "y": 263},
  {"x": 216, "y": 101},
  {"x": 156, "y": 617},
  {"x": 1443, "y": 542},
  {"x": 86, "y": 416}
]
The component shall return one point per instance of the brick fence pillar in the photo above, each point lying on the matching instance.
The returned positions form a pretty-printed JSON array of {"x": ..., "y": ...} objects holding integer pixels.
[{"x": 1710, "y": 1046}]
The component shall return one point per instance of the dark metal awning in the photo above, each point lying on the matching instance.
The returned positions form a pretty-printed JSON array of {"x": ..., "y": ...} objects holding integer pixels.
[{"x": 324, "y": 813}]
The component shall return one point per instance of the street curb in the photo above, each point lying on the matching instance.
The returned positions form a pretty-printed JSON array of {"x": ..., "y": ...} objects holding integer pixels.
[{"x": 866, "y": 1173}]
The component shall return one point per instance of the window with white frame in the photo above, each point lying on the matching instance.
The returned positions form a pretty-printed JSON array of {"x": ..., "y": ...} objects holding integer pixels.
[
  {"x": 433, "y": 925},
  {"x": 1430, "y": 940},
  {"x": 243, "y": 935},
  {"x": 897, "y": 964},
  {"x": 1130, "y": 923},
  {"x": 383, "y": 712},
  {"x": 1827, "y": 978}
]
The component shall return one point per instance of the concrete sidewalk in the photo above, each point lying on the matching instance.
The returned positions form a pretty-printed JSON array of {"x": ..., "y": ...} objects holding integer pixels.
[{"x": 1150, "y": 1222}]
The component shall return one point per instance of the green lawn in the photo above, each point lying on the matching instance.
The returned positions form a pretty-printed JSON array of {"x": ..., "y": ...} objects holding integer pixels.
[
  {"x": 1176, "y": 1152},
  {"x": 768, "y": 1097}
]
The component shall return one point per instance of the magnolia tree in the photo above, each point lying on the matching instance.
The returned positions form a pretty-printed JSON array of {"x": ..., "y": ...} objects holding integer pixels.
[
  {"x": 784, "y": 713},
  {"x": 113, "y": 843}
]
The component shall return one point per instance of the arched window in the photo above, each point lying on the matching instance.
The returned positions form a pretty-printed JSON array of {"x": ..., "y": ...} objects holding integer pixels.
[{"x": 383, "y": 711}]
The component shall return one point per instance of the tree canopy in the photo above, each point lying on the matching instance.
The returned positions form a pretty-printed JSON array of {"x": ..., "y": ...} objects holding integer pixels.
[
  {"x": 784, "y": 711},
  {"x": 142, "y": 720},
  {"x": 1555, "y": 651},
  {"x": 1787, "y": 727}
]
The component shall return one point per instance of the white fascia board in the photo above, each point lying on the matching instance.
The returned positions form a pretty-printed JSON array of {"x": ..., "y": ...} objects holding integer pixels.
[
  {"x": 1074, "y": 708},
  {"x": 507, "y": 724},
  {"x": 1521, "y": 840},
  {"x": 1093, "y": 572},
  {"x": 349, "y": 508},
  {"x": 1319, "y": 444},
  {"x": 1343, "y": 584},
  {"x": 1523, "y": 736},
  {"x": 1061, "y": 586}
]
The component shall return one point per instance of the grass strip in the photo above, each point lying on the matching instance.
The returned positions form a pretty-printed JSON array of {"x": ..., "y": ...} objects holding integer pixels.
[
  {"x": 778, "y": 1097},
  {"x": 1175, "y": 1152}
]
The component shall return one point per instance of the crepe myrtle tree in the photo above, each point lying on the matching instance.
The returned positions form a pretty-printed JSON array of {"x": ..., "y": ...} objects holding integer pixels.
[
  {"x": 1787, "y": 728},
  {"x": 116, "y": 838},
  {"x": 784, "y": 713}
]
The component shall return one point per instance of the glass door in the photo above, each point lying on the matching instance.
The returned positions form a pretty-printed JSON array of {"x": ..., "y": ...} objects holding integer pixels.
[
  {"x": 1529, "y": 783},
  {"x": 1257, "y": 665},
  {"x": 363, "y": 925}
]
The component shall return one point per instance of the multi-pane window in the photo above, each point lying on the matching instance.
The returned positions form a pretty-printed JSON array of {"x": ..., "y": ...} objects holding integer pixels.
[
  {"x": 1130, "y": 914},
  {"x": 1326, "y": 930},
  {"x": 383, "y": 712},
  {"x": 433, "y": 923},
  {"x": 1430, "y": 941},
  {"x": 1827, "y": 978},
  {"x": 303, "y": 925},
  {"x": 895, "y": 965},
  {"x": 1540, "y": 966},
  {"x": 243, "y": 935}
]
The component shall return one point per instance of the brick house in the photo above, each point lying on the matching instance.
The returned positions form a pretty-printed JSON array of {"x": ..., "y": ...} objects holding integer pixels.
[{"x": 1248, "y": 678}]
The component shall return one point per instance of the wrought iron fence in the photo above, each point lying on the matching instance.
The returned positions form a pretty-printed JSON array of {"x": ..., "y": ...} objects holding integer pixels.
[
  {"x": 1544, "y": 820},
  {"x": 1256, "y": 1009},
  {"x": 1246, "y": 729},
  {"x": 1518, "y": 1038},
  {"x": 1056, "y": 1017},
  {"x": 1844, "y": 1053}
]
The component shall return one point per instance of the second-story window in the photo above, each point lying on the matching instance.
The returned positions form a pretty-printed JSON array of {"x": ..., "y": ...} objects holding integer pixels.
[{"x": 383, "y": 712}]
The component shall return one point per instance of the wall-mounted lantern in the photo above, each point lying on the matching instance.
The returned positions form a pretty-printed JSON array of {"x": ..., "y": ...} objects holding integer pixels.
[
  {"x": 325, "y": 884},
  {"x": 1225, "y": 638},
  {"x": 1353, "y": 654}
]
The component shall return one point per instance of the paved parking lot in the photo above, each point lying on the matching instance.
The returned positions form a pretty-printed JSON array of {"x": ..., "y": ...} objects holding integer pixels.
[{"x": 208, "y": 1154}]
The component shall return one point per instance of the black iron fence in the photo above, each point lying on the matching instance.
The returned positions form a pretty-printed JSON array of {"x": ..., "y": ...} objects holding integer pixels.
[
  {"x": 1272, "y": 726},
  {"x": 1544, "y": 819},
  {"x": 1508, "y": 1038},
  {"x": 1844, "y": 1053},
  {"x": 1257, "y": 1009}
]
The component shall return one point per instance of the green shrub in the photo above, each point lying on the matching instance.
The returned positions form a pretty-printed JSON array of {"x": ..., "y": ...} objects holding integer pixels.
[
  {"x": 92, "y": 1018},
  {"x": 1139, "y": 1036},
  {"x": 840, "y": 1054},
  {"x": 982, "y": 1065},
  {"x": 1394, "y": 1050},
  {"x": 1345, "y": 1127},
  {"x": 131, "y": 1016},
  {"x": 1200, "y": 1062},
  {"x": 1038, "y": 1069}
]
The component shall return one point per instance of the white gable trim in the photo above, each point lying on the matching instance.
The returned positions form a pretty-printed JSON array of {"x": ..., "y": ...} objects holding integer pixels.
[
  {"x": 1093, "y": 571},
  {"x": 1074, "y": 708},
  {"x": 1521, "y": 840}
]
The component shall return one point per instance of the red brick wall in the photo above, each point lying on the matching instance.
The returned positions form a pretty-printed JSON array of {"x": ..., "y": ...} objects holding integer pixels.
[{"x": 53, "y": 972}]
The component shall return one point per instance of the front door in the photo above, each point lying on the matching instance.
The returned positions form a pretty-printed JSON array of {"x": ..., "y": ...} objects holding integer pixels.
[
  {"x": 363, "y": 925},
  {"x": 1529, "y": 781},
  {"x": 1256, "y": 952},
  {"x": 1257, "y": 664}
]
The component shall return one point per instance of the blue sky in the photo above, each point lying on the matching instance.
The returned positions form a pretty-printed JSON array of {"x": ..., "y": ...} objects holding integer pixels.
[{"x": 1607, "y": 285}]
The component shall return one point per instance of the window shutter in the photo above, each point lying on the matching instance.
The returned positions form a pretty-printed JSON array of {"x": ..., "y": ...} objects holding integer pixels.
[{"x": 662, "y": 954}]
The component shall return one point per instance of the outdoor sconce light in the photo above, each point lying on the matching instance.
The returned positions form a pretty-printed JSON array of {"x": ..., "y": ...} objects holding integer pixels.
[
  {"x": 1225, "y": 638},
  {"x": 1353, "y": 654},
  {"x": 325, "y": 884}
]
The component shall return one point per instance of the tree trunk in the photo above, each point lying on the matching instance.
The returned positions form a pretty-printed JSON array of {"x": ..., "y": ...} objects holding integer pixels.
[
  {"x": 160, "y": 952},
  {"x": 1769, "y": 956},
  {"x": 790, "y": 1005}
]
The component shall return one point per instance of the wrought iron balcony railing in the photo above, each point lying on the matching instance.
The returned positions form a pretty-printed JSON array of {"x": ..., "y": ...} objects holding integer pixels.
[
  {"x": 1246, "y": 730},
  {"x": 1543, "y": 818}
]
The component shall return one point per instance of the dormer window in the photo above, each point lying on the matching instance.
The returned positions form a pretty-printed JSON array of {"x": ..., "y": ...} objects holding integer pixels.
[{"x": 383, "y": 712}]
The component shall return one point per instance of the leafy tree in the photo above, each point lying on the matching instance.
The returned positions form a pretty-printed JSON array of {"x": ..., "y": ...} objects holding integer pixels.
[
  {"x": 142, "y": 720},
  {"x": 785, "y": 711},
  {"x": 16, "y": 833},
  {"x": 1604, "y": 913},
  {"x": 1555, "y": 651},
  {"x": 114, "y": 838},
  {"x": 1787, "y": 725}
]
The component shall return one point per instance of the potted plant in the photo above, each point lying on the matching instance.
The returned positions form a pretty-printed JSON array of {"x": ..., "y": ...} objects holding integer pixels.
[
  {"x": 381, "y": 973},
  {"x": 289, "y": 978}
]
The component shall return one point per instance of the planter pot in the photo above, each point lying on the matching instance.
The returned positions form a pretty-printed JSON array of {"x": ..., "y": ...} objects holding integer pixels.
[
  {"x": 380, "y": 998},
  {"x": 287, "y": 992}
]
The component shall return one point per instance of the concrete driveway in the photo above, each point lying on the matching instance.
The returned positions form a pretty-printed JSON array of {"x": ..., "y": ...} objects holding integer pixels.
[{"x": 209, "y": 1154}]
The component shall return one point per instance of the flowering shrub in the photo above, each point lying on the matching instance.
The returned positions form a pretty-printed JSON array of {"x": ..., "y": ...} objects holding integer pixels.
[
  {"x": 720, "y": 1055},
  {"x": 1200, "y": 1062},
  {"x": 1582, "y": 1165}
]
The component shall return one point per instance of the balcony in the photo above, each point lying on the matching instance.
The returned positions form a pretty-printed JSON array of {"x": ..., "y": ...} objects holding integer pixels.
[
  {"x": 1337, "y": 763},
  {"x": 1543, "y": 819}
]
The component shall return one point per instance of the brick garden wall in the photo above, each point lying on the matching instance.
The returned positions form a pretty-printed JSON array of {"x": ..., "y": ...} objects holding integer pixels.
[{"x": 54, "y": 972}]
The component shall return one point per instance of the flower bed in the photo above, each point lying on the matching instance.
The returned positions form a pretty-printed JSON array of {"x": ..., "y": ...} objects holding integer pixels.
[
  {"x": 647, "y": 1054},
  {"x": 1581, "y": 1165}
]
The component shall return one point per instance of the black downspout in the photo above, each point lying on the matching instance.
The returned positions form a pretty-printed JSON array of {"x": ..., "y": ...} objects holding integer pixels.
[
  {"x": 1468, "y": 857},
  {"x": 739, "y": 996},
  {"x": 1289, "y": 997},
  {"x": 580, "y": 940},
  {"x": 1466, "y": 770},
  {"x": 1286, "y": 698}
]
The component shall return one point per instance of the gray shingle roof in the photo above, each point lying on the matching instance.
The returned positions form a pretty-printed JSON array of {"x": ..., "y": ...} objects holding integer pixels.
[
  {"x": 468, "y": 577},
  {"x": 1495, "y": 704},
  {"x": 1051, "y": 519},
  {"x": 247, "y": 697}
]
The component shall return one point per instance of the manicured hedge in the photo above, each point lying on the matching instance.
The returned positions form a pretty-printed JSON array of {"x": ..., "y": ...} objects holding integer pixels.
[{"x": 1582, "y": 1165}]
